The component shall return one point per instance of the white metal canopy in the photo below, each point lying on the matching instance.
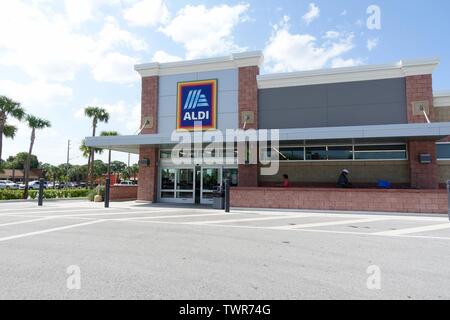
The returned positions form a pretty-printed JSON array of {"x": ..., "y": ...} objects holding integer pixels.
[{"x": 435, "y": 131}]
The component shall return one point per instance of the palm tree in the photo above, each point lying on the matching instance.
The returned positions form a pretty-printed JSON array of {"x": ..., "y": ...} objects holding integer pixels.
[
  {"x": 8, "y": 132},
  {"x": 35, "y": 124},
  {"x": 109, "y": 134},
  {"x": 87, "y": 154},
  {"x": 134, "y": 170},
  {"x": 8, "y": 108},
  {"x": 97, "y": 115}
]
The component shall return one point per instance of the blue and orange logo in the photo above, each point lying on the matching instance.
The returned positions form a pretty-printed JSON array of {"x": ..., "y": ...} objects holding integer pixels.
[{"x": 197, "y": 104}]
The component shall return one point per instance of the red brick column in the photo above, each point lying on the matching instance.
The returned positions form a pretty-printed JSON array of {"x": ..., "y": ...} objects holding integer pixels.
[
  {"x": 248, "y": 109},
  {"x": 149, "y": 104},
  {"x": 148, "y": 175},
  {"x": 419, "y": 88},
  {"x": 423, "y": 176}
]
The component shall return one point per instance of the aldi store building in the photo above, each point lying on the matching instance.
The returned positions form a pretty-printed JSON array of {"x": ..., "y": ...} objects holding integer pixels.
[{"x": 381, "y": 122}]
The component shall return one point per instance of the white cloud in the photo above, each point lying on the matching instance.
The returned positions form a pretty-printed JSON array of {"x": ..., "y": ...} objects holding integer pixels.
[
  {"x": 206, "y": 32},
  {"x": 312, "y": 14},
  {"x": 147, "y": 13},
  {"x": 287, "y": 52},
  {"x": 79, "y": 11},
  {"x": 163, "y": 57},
  {"x": 112, "y": 36},
  {"x": 41, "y": 45},
  {"x": 372, "y": 43},
  {"x": 332, "y": 35},
  {"x": 127, "y": 116},
  {"x": 133, "y": 122},
  {"x": 116, "y": 68},
  {"x": 47, "y": 47},
  {"x": 343, "y": 63},
  {"x": 36, "y": 95}
]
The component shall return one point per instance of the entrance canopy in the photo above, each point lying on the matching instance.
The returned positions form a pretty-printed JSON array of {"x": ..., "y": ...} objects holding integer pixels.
[{"x": 432, "y": 131}]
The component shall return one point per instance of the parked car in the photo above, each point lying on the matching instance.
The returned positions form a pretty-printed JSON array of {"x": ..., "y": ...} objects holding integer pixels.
[
  {"x": 8, "y": 184},
  {"x": 32, "y": 185},
  {"x": 125, "y": 183}
]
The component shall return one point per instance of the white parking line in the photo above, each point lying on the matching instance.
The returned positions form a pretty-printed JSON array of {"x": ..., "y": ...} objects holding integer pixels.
[
  {"x": 24, "y": 235},
  {"x": 351, "y": 233},
  {"x": 325, "y": 224},
  {"x": 414, "y": 230},
  {"x": 45, "y": 212},
  {"x": 87, "y": 215},
  {"x": 170, "y": 217},
  {"x": 36, "y": 208},
  {"x": 251, "y": 219},
  {"x": 24, "y": 222}
]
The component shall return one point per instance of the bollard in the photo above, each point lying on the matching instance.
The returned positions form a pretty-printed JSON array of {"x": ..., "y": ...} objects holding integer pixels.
[
  {"x": 448, "y": 191},
  {"x": 41, "y": 193},
  {"x": 107, "y": 188},
  {"x": 227, "y": 195}
]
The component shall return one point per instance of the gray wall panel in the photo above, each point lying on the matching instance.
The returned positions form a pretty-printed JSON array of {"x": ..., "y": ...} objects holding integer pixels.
[
  {"x": 165, "y": 106},
  {"x": 330, "y": 105},
  {"x": 228, "y": 79},
  {"x": 308, "y": 118},
  {"x": 168, "y": 84}
]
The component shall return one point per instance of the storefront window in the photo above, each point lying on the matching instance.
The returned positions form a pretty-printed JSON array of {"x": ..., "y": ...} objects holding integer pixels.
[
  {"x": 340, "y": 153},
  {"x": 231, "y": 174},
  {"x": 443, "y": 151},
  {"x": 381, "y": 152},
  {"x": 316, "y": 153},
  {"x": 292, "y": 154}
]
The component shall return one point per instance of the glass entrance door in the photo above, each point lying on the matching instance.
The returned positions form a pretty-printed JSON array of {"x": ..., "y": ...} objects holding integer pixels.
[
  {"x": 211, "y": 178},
  {"x": 192, "y": 185},
  {"x": 177, "y": 185}
]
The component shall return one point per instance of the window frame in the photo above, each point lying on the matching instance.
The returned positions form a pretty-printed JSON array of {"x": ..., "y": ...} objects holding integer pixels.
[
  {"x": 437, "y": 157},
  {"x": 353, "y": 147}
]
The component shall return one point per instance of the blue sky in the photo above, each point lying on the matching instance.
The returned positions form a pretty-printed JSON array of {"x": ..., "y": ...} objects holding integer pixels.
[{"x": 57, "y": 57}]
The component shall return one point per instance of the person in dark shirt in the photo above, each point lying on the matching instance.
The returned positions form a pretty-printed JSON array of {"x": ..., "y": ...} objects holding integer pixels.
[{"x": 343, "y": 181}]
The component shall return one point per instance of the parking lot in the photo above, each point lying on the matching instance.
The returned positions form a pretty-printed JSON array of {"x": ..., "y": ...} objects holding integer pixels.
[{"x": 133, "y": 251}]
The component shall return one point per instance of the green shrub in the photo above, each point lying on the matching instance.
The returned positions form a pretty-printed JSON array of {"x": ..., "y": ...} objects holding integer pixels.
[
  {"x": 99, "y": 190},
  {"x": 48, "y": 194},
  {"x": 11, "y": 194}
]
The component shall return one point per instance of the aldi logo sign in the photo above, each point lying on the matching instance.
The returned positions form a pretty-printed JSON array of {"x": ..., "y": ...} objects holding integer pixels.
[{"x": 197, "y": 103}]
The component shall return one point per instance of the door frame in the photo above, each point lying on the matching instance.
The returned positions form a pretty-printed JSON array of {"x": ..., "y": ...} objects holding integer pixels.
[
  {"x": 175, "y": 190},
  {"x": 209, "y": 201}
]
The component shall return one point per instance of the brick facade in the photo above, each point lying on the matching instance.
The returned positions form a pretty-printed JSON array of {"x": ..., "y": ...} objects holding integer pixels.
[
  {"x": 123, "y": 193},
  {"x": 148, "y": 175},
  {"x": 149, "y": 103},
  {"x": 248, "y": 105},
  {"x": 423, "y": 176},
  {"x": 408, "y": 201},
  {"x": 419, "y": 88}
]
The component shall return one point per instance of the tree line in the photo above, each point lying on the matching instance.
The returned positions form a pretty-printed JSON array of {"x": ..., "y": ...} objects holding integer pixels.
[
  {"x": 13, "y": 109},
  {"x": 10, "y": 109}
]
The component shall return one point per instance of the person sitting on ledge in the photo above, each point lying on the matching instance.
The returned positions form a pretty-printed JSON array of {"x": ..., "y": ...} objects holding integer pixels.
[
  {"x": 285, "y": 181},
  {"x": 343, "y": 181}
]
